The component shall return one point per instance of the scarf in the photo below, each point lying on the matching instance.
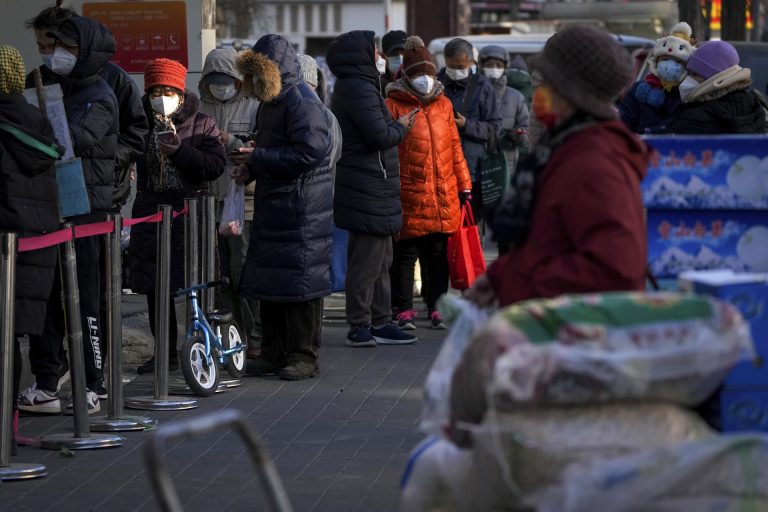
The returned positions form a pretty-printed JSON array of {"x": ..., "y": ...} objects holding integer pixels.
[
  {"x": 511, "y": 221},
  {"x": 162, "y": 175}
]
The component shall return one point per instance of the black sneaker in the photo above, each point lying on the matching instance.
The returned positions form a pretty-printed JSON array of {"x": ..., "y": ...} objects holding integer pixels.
[
  {"x": 360, "y": 336},
  {"x": 149, "y": 366},
  {"x": 390, "y": 334},
  {"x": 101, "y": 391},
  {"x": 260, "y": 367}
]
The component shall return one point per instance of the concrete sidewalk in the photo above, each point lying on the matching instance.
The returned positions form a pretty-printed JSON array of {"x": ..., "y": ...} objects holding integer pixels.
[{"x": 339, "y": 441}]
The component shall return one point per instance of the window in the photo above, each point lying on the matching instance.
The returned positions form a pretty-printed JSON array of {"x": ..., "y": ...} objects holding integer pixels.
[
  {"x": 280, "y": 17},
  {"x": 294, "y": 18},
  {"x": 323, "y": 17},
  {"x": 309, "y": 11},
  {"x": 337, "y": 17}
]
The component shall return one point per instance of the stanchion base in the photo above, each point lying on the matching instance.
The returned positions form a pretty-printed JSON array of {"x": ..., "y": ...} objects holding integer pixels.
[
  {"x": 70, "y": 442},
  {"x": 183, "y": 389},
  {"x": 232, "y": 383},
  {"x": 22, "y": 471},
  {"x": 150, "y": 403},
  {"x": 122, "y": 424}
]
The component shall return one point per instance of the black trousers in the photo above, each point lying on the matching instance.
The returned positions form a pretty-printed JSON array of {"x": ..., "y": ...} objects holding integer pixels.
[
  {"x": 432, "y": 251},
  {"x": 173, "y": 328},
  {"x": 291, "y": 331},
  {"x": 46, "y": 350}
]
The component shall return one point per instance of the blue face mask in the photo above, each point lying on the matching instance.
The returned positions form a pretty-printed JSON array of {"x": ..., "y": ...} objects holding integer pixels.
[{"x": 670, "y": 70}]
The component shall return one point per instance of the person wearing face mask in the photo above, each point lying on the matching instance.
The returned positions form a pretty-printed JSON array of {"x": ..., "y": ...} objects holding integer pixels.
[
  {"x": 649, "y": 104},
  {"x": 392, "y": 46},
  {"x": 574, "y": 217},
  {"x": 82, "y": 48},
  {"x": 366, "y": 199},
  {"x": 184, "y": 155},
  {"x": 132, "y": 122},
  {"x": 223, "y": 99},
  {"x": 475, "y": 108},
  {"x": 513, "y": 138},
  {"x": 433, "y": 176},
  {"x": 716, "y": 95}
]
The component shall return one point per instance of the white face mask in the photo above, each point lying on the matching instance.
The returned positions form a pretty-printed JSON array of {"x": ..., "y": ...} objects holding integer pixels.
[
  {"x": 493, "y": 72},
  {"x": 381, "y": 65},
  {"x": 686, "y": 87},
  {"x": 423, "y": 84},
  {"x": 62, "y": 62},
  {"x": 223, "y": 92},
  {"x": 457, "y": 74},
  {"x": 46, "y": 59},
  {"x": 165, "y": 105},
  {"x": 394, "y": 63}
]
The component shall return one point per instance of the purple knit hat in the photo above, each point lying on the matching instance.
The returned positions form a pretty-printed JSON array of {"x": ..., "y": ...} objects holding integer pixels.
[{"x": 712, "y": 58}]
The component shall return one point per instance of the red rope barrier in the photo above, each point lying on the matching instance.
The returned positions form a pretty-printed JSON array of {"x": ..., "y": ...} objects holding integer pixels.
[{"x": 34, "y": 243}]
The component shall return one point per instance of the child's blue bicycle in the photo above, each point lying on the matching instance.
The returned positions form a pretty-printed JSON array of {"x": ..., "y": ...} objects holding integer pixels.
[{"x": 201, "y": 355}]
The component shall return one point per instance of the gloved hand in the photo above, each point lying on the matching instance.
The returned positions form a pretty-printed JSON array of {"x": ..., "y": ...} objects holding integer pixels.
[{"x": 465, "y": 196}]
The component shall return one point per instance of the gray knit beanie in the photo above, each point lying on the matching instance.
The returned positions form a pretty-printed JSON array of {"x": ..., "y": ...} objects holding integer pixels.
[{"x": 308, "y": 69}]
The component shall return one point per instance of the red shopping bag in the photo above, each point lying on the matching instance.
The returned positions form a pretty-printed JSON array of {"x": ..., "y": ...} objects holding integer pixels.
[{"x": 465, "y": 255}]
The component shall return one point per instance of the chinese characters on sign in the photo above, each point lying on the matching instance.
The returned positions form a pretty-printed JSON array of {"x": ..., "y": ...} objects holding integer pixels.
[
  {"x": 699, "y": 230},
  {"x": 143, "y": 31}
]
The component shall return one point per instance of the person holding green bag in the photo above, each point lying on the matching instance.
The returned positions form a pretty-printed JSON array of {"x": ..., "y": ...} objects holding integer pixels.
[{"x": 433, "y": 177}]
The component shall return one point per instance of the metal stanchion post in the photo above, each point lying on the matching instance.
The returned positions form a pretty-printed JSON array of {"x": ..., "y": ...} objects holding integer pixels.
[
  {"x": 116, "y": 421},
  {"x": 161, "y": 401},
  {"x": 82, "y": 439},
  {"x": 191, "y": 249},
  {"x": 8, "y": 471},
  {"x": 210, "y": 250}
]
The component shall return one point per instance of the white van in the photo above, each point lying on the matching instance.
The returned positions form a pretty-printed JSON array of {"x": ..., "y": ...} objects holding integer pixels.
[{"x": 524, "y": 44}]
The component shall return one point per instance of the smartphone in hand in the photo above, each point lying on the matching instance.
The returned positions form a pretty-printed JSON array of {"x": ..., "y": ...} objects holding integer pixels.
[{"x": 166, "y": 137}]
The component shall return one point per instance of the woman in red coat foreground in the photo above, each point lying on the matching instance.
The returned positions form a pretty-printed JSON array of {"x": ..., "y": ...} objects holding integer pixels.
[{"x": 574, "y": 220}]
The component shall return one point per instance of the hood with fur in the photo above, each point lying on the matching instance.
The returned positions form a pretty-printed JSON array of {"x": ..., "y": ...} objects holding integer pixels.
[{"x": 270, "y": 68}]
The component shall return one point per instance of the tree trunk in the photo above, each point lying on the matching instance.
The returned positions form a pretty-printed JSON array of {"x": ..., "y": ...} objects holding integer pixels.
[
  {"x": 691, "y": 11},
  {"x": 733, "y": 20}
]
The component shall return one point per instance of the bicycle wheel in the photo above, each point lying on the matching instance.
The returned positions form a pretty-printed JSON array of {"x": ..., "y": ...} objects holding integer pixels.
[
  {"x": 201, "y": 377},
  {"x": 230, "y": 338}
]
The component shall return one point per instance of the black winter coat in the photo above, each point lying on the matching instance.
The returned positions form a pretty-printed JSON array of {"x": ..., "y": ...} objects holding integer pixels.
[
  {"x": 133, "y": 123},
  {"x": 28, "y": 206},
  {"x": 482, "y": 113},
  {"x": 289, "y": 254},
  {"x": 735, "y": 112},
  {"x": 92, "y": 112},
  {"x": 200, "y": 159},
  {"x": 367, "y": 191},
  {"x": 133, "y": 127},
  {"x": 643, "y": 118}
]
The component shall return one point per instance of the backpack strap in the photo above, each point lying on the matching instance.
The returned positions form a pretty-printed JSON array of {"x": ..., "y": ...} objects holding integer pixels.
[{"x": 31, "y": 141}]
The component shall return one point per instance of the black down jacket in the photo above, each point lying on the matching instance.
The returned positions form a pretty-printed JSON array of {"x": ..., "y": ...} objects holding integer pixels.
[
  {"x": 133, "y": 122},
  {"x": 200, "y": 159},
  {"x": 92, "y": 111},
  {"x": 28, "y": 206},
  {"x": 289, "y": 255},
  {"x": 735, "y": 112},
  {"x": 367, "y": 195}
]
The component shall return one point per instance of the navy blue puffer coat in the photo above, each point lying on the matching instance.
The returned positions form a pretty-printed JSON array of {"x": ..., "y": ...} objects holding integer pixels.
[
  {"x": 289, "y": 255},
  {"x": 367, "y": 196}
]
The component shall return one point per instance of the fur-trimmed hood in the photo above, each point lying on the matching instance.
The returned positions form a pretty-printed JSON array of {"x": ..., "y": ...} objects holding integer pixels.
[
  {"x": 270, "y": 68},
  {"x": 717, "y": 86}
]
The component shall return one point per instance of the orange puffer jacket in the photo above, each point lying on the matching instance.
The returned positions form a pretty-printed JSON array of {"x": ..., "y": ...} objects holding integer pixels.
[{"x": 432, "y": 166}]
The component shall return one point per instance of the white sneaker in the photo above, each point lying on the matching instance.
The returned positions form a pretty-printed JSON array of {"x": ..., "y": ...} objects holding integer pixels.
[
  {"x": 93, "y": 403},
  {"x": 39, "y": 401}
]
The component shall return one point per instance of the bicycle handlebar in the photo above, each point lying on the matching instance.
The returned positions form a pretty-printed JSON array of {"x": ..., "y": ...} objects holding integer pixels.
[{"x": 224, "y": 281}]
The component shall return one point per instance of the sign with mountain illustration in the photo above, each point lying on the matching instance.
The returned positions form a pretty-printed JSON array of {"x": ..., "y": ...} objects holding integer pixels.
[
  {"x": 707, "y": 204},
  {"x": 707, "y": 173}
]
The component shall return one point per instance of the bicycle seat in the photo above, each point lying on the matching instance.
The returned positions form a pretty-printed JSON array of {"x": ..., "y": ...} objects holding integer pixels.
[{"x": 220, "y": 316}]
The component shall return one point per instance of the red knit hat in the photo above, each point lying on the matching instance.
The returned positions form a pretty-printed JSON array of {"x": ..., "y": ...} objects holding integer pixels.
[
  {"x": 165, "y": 72},
  {"x": 417, "y": 60}
]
